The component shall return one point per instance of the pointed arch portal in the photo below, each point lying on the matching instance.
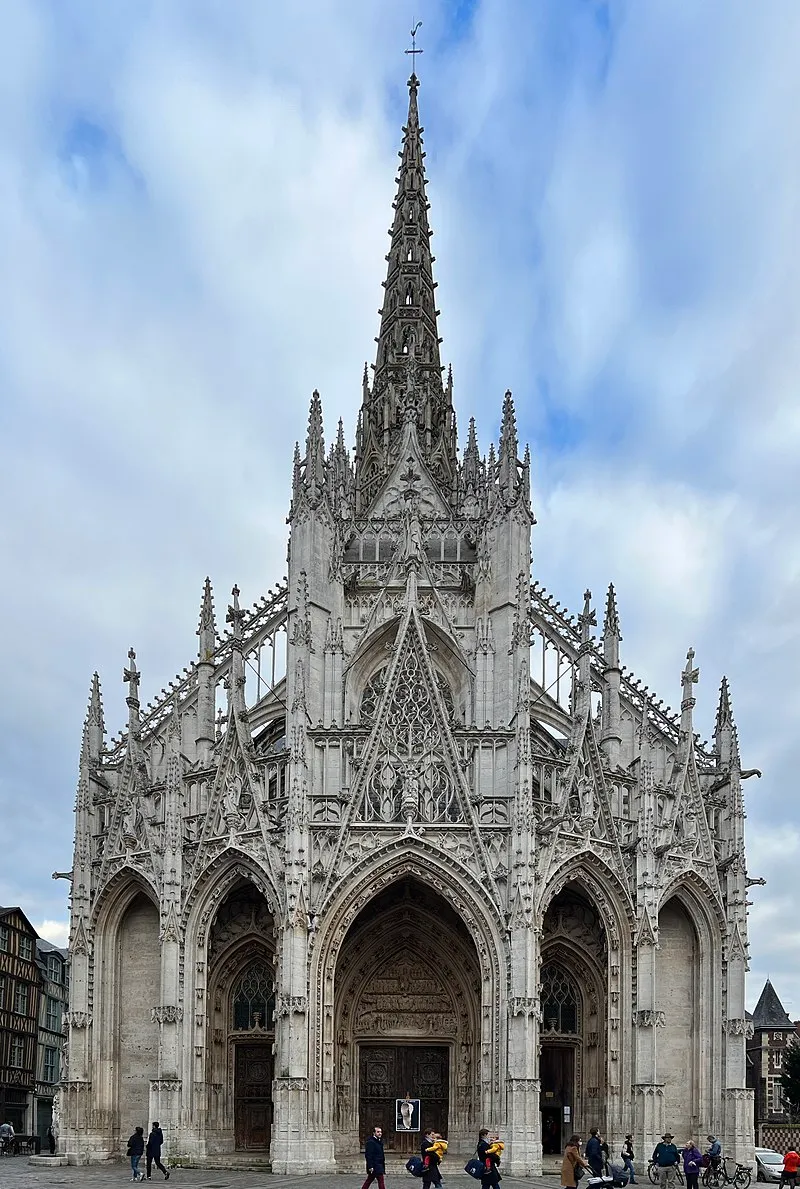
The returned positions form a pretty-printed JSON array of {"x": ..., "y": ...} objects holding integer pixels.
[{"x": 407, "y": 1016}]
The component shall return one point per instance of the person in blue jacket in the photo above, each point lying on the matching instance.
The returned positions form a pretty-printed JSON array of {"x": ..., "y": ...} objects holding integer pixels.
[
  {"x": 375, "y": 1159},
  {"x": 594, "y": 1152}
]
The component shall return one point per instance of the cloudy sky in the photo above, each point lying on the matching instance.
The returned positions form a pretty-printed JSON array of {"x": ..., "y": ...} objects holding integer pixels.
[{"x": 194, "y": 196}]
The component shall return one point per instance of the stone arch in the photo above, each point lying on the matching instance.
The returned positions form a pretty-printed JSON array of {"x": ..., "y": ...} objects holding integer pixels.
[
  {"x": 126, "y": 969},
  {"x": 701, "y": 982},
  {"x": 605, "y": 889},
  {"x": 407, "y": 978},
  {"x": 406, "y": 859},
  {"x": 215, "y": 881},
  {"x": 240, "y": 937}
]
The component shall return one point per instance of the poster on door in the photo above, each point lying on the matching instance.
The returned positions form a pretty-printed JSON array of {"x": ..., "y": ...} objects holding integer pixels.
[{"x": 407, "y": 1114}]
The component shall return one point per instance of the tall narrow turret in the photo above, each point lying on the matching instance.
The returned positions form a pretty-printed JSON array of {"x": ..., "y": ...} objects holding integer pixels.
[{"x": 407, "y": 364}]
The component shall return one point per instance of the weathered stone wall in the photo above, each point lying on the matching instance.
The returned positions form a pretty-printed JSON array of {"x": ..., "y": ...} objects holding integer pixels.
[
  {"x": 139, "y": 991},
  {"x": 676, "y": 992}
]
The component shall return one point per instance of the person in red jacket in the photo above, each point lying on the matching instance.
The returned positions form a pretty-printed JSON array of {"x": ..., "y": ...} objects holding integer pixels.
[{"x": 791, "y": 1163}]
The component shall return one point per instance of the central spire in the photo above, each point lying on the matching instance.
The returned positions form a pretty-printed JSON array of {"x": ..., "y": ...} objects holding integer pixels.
[{"x": 407, "y": 364}]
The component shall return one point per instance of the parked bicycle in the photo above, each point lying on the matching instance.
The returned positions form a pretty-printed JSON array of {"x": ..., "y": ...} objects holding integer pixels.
[
  {"x": 712, "y": 1177},
  {"x": 652, "y": 1173}
]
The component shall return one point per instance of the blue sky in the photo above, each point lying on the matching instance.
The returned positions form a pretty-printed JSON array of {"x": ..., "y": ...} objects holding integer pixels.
[{"x": 194, "y": 201}]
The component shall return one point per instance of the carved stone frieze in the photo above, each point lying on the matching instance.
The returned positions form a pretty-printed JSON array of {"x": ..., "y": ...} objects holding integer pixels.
[
  {"x": 78, "y": 1019},
  {"x": 739, "y": 1027},
  {"x": 649, "y": 1019},
  {"x": 167, "y": 1013},
  {"x": 166, "y": 1085}
]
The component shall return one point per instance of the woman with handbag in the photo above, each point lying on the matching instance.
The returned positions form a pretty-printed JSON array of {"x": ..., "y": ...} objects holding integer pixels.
[{"x": 573, "y": 1164}]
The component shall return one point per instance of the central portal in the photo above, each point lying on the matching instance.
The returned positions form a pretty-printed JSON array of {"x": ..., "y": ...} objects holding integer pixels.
[{"x": 389, "y": 1072}]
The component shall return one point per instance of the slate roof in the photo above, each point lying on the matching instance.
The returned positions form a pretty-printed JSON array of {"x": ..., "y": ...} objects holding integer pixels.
[{"x": 769, "y": 1011}]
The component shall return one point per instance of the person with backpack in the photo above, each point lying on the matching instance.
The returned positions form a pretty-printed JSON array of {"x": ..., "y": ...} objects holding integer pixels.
[
  {"x": 628, "y": 1157},
  {"x": 375, "y": 1158},
  {"x": 135, "y": 1151}
]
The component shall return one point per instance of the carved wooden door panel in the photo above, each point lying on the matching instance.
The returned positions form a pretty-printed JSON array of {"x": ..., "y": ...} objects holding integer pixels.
[
  {"x": 389, "y": 1072},
  {"x": 253, "y": 1097}
]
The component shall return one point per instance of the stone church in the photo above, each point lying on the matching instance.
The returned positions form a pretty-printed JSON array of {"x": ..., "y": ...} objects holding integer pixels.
[{"x": 406, "y": 828}]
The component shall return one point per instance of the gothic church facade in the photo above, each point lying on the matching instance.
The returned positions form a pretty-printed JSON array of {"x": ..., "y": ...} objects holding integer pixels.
[{"x": 406, "y": 827}]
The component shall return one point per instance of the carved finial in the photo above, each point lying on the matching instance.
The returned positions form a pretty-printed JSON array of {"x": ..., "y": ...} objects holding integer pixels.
[
  {"x": 724, "y": 713},
  {"x": 587, "y": 619},
  {"x": 207, "y": 628},
  {"x": 94, "y": 726},
  {"x": 315, "y": 446},
  {"x": 509, "y": 447},
  {"x": 689, "y": 677},
  {"x": 235, "y": 616},
  {"x": 413, "y": 52}
]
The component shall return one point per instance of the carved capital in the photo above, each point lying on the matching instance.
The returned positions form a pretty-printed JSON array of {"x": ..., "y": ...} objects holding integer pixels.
[
  {"x": 739, "y": 1027},
  {"x": 525, "y": 1005},
  {"x": 78, "y": 1019},
  {"x": 649, "y": 1019},
  {"x": 291, "y": 1084},
  {"x": 167, "y": 1013},
  {"x": 166, "y": 1085}
]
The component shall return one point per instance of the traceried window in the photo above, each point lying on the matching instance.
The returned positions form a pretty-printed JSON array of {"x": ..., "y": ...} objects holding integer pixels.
[
  {"x": 370, "y": 699},
  {"x": 253, "y": 998},
  {"x": 559, "y": 1001}
]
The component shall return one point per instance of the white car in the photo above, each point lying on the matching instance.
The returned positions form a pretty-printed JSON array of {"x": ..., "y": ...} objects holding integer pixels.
[{"x": 769, "y": 1165}]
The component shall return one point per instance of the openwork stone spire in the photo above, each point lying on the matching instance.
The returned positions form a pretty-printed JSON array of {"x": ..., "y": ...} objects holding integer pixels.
[{"x": 408, "y": 370}]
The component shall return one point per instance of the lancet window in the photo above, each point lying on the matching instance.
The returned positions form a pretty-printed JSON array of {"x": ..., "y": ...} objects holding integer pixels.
[
  {"x": 253, "y": 998},
  {"x": 560, "y": 1004}
]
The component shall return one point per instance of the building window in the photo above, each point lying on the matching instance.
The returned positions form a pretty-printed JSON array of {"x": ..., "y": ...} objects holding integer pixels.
[
  {"x": 21, "y": 999},
  {"x": 253, "y": 998},
  {"x": 54, "y": 968},
  {"x": 16, "y": 1053},
  {"x": 2, "y": 991},
  {"x": 5, "y": 940},
  {"x": 560, "y": 1001},
  {"x": 51, "y": 1065},
  {"x": 26, "y": 948},
  {"x": 53, "y": 1015},
  {"x": 777, "y": 1060},
  {"x": 774, "y": 1096}
]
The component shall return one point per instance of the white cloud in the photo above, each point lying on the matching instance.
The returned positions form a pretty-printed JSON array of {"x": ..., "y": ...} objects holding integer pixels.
[
  {"x": 614, "y": 205},
  {"x": 56, "y": 932}
]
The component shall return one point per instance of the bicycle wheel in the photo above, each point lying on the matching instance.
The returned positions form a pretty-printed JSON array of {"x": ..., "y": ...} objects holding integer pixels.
[
  {"x": 742, "y": 1177},
  {"x": 652, "y": 1174}
]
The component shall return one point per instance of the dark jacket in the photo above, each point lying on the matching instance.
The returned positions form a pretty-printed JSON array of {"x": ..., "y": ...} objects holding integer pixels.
[
  {"x": 430, "y": 1160},
  {"x": 489, "y": 1161},
  {"x": 594, "y": 1153},
  {"x": 374, "y": 1155},
  {"x": 627, "y": 1150},
  {"x": 155, "y": 1140},
  {"x": 136, "y": 1144},
  {"x": 665, "y": 1155}
]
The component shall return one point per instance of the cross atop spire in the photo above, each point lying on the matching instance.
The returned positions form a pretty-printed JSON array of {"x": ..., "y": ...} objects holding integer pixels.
[
  {"x": 414, "y": 50},
  {"x": 408, "y": 343}
]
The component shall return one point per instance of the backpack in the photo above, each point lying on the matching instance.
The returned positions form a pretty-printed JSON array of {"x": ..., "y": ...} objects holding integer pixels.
[
  {"x": 474, "y": 1168},
  {"x": 414, "y": 1166}
]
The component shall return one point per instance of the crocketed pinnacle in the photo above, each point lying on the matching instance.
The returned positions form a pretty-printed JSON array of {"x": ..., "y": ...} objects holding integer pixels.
[
  {"x": 408, "y": 373},
  {"x": 611, "y": 621},
  {"x": 207, "y": 630}
]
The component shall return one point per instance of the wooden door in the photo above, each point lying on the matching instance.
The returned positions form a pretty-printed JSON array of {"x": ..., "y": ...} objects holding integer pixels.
[
  {"x": 389, "y": 1072},
  {"x": 557, "y": 1079},
  {"x": 253, "y": 1097}
]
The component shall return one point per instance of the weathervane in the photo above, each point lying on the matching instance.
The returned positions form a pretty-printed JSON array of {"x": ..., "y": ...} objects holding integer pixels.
[{"x": 414, "y": 49}]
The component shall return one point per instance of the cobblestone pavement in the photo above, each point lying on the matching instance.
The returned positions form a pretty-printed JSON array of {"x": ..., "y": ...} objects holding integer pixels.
[{"x": 17, "y": 1173}]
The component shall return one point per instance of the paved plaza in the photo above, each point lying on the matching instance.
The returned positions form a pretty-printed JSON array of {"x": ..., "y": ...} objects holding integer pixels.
[{"x": 17, "y": 1173}]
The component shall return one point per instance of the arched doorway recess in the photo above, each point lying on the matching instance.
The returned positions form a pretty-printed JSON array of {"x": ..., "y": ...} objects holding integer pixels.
[
  {"x": 407, "y": 1021},
  {"x": 241, "y": 1022},
  {"x": 573, "y": 998}
]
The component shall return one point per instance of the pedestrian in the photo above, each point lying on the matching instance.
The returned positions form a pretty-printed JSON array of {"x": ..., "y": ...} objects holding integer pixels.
[
  {"x": 155, "y": 1142},
  {"x": 375, "y": 1159},
  {"x": 51, "y": 1141},
  {"x": 572, "y": 1163},
  {"x": 135, "y": 1150},
  {"x": 714, "y": 1152},
  {"x": 628, "y": 1157},
  {"x": 594, "y": 1152},
  {"x": 433, "y": 1149},
  {"x": 605, "y": 1153},
  {"x": 493, "y": 1150},
  {"x": 6, "y": 1137},
  {"x": 666, "y": 1157},
  {"x": 791, "y": 1163},
  {"x": 692, "y": 1163}
]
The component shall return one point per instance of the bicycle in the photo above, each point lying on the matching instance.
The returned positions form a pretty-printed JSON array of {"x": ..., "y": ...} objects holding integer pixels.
[
  {"x": 714, "y": 1177},
  {"x": 653, "y": 1171}
]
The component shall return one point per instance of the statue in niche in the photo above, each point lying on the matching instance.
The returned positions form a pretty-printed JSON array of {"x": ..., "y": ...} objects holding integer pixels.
[
  {"x": 130, "y": 822},
  {"x": 231, "y": 802}
]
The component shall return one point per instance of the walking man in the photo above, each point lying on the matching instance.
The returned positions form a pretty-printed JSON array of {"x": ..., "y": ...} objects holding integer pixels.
[
  {"x": 594, "y": 1152},
  {"x": 628, "y": 1157},
  {"x": 666, "y": 1157},
  {"x": 155, "y": 1142},
  {"x": 375, "y": 1158}
]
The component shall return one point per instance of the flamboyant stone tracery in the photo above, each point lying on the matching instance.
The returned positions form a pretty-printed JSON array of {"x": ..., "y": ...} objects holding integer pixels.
[{"x": 407, "y": 828}]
